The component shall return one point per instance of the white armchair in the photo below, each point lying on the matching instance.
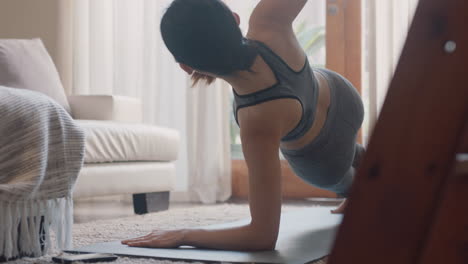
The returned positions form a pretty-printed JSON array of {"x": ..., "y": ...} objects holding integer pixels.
[{"x": 122, "y": 155}]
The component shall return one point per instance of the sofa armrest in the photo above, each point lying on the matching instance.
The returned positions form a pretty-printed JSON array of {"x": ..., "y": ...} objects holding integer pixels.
[{"x": 106, "y": 107}]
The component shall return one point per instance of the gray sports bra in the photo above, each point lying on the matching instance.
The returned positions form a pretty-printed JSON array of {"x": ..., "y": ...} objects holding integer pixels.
[{"x": 301, "y": 85}]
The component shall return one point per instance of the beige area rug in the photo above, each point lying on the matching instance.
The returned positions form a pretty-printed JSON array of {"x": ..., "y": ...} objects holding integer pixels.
[{"x": 121, "y": 228}]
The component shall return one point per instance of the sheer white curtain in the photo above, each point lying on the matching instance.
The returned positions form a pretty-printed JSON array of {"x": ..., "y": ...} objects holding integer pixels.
[
  {"x": 118, "y": 50},
  {"x": 386, "y": 27},
  {"x": 209, "y": 143}
]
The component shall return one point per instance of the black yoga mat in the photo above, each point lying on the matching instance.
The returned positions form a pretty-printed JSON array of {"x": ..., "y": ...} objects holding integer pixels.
[{"x": 305, "y": 235}]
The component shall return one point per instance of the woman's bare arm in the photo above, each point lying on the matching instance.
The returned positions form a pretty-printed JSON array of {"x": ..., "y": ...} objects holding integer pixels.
[
  {"x": 271, "y": 23},
  {"x": 260, "y": 141},
  {"x": 278, "y": 13}
]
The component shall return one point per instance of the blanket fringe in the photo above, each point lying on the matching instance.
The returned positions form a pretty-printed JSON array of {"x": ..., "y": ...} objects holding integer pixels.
[{"x": 25, "y": 226}]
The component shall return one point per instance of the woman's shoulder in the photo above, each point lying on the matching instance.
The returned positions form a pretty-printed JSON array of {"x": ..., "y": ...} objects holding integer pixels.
[
  {"x": 284, "y": 45},
  {"x": 266, "y": 34}
]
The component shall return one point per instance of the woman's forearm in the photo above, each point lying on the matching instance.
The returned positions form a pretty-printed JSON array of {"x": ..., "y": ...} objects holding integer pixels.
[{"x": 244, "y": 238}]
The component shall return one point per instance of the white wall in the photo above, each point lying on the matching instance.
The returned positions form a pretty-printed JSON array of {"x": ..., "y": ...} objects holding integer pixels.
[{"x": 49, "y": 20}]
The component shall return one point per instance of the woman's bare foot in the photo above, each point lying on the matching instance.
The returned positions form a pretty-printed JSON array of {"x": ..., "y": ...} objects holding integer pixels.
[{"x": 341, "y": 208}]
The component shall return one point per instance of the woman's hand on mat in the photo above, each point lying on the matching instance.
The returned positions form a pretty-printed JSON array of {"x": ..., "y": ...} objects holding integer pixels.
[{"x": 158, "y": 239}]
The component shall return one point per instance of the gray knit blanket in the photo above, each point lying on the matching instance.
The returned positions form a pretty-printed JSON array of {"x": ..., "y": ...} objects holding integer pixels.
[{"x": 41, "y": 154}]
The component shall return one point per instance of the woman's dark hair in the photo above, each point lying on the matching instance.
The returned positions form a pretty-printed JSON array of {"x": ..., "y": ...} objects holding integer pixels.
[{"x": 204, "y": 35}]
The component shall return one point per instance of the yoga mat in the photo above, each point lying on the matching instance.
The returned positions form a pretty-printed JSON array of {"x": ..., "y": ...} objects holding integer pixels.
[{"x": 305, "y": 235}]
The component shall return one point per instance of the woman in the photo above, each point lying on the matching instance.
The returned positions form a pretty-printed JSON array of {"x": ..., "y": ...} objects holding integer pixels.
[{"x": 311, "y": 115}]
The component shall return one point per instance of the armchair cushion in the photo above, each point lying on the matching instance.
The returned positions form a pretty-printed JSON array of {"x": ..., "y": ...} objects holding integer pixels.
[
  {"x": 108, "y": 141},
  {"x": 124, "y": 178},
  {"x": 106, "y": 107},
  {"x": 26, "y": 64}
]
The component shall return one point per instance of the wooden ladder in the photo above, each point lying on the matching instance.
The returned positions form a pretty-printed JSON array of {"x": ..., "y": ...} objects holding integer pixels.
[{"x": 409, "y": 204}]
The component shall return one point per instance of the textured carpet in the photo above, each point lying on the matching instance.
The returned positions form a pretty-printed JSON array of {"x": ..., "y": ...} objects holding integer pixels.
[{"x": 121, "y": 228}]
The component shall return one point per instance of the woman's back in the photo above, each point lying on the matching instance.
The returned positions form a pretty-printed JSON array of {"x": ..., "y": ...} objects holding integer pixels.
[
  {"x": 321, "y": 111},
  {"x": 307, "y": 103},
  {"x": 300, "y": 86}
]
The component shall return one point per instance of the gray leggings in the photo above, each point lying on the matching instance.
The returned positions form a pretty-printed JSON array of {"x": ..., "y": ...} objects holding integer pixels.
[{"x": 329, "y": 161}]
